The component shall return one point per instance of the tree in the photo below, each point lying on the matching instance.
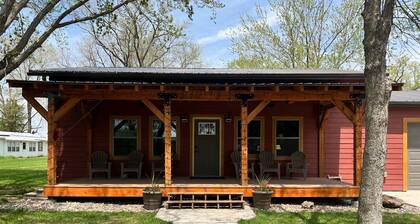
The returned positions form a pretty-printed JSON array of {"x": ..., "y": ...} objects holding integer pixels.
[
  {"x": 25, "y": 25},
  {"x": 45, "y": 56},
  {"x": 378, "y": 19},
  {"x": 405, "y": 70},
  {"x": 140, "y": 36},
  {"x": 300, "y": 34},
  {"x": 12, "y": 113}
]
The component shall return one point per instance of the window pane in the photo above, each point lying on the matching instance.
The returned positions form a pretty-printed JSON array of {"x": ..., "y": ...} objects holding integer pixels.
[
  {"x": 159, "y": 146},
  {"x": 125, "y": 136},
  {"x": 287, "y": 128},
  {"x": 125, "y": 128},
  {"x": 123, "y": 146},
  {"x": 287, "y": 146},
  {"x": 253, "y": 146},
  {"x": 254, "y": 128},
  {"x": 158, "y": 128}
]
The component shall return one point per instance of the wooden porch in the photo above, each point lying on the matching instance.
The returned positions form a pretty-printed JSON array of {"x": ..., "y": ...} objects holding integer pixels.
[{"x": 283, "y": 188}]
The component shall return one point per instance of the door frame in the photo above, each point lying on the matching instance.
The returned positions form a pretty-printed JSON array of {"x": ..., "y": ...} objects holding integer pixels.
[
  {"x": 406, "y": 120},
  {"x": 221, "y": 143}
]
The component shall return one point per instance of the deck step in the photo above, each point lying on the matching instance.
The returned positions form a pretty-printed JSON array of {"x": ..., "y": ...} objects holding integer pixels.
[{"x": 204, "y": 200}]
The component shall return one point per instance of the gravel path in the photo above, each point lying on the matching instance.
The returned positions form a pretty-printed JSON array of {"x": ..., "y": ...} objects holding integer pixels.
[
  {"x": 337, "y": 208},
  {"x": 50, "y": 205}
]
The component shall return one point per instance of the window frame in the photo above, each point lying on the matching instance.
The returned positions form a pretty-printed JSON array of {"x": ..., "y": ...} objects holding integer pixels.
[
  {"x": 236, "y": 138},
  {"x": 111, "y": 135},
  {"x": 33, "y": 144},
  {"x": 42, "y": 146},
  {"x": 274, "y": 136},
  {"x": 178, "y": 137}
]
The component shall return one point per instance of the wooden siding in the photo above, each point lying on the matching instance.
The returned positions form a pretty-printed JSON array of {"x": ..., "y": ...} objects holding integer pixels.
[
  {"x": 73, "y": 159},
  {"x": 339, "y": 146}
]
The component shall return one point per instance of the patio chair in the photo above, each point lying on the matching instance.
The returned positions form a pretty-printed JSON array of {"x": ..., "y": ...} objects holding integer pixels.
[
  {"x": 99, "y": 164},
  {"x": 297, "y": 164},
  {"x": 268, "y": 164},
  {"x": 159, "y": 165},
  {"x": 235, "y": 156},
  {"x": 133, "y": 165}
]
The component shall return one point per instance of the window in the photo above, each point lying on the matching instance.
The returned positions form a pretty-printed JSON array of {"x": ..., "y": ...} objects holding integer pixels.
[
  {"x": 287, "y": 136},
  {"x": 32, "y": 146},
  {"x": 158, "y": 137},
  {"x": 124, "y": 136},
  {"x": 254, "y": 136},
  {"x": 13, "y": 146},
  {"x": 40, "y": 146}
]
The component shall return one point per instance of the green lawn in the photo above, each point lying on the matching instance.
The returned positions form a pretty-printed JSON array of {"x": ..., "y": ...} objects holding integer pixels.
[
  {"x": 326, "y": 218},
  {"x": 76, "y": 217},
  {"x": 21, "y": 175}
]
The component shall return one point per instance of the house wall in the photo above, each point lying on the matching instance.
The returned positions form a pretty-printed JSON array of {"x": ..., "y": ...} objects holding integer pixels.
[
  {"x": 339, "y": 146},
  {"x": 22, "y": 153},
  {"x": 2, "y": 147},
  {"x": 72, "y": 156}
]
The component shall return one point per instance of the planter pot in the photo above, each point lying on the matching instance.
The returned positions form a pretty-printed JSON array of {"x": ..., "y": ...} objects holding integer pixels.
[
  {"x": 262, "y": 199},
  {"x": 152, "y": 201}
]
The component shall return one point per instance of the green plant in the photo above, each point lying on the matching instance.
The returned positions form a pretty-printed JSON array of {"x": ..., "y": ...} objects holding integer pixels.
[
  {"x": 263, "y": 183},
  {"x": 154, "y": 186}
]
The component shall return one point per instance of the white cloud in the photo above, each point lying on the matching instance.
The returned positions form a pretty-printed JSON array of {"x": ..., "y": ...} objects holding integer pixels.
[
  {"x": 222, "y": 34},
  {"x": 232, "y": 31}
]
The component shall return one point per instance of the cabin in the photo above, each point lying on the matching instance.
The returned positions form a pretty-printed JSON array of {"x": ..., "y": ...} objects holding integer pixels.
[
  {"x": 17, "y": 144},
  {"x": 208, "y": 130}
]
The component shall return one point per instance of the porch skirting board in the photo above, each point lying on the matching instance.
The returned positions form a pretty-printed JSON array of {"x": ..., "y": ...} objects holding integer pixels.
[{"x": 313, "y": 187}]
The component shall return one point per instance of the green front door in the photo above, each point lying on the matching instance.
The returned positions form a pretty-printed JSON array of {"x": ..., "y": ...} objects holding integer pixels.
[{"x": 206, "y": 147}]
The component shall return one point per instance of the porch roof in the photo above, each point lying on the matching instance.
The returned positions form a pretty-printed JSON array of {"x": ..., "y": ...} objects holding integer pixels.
[{"x": 201, "y": 75}]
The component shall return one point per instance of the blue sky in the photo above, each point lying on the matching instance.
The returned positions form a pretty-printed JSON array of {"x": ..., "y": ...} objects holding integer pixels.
[{"x": 209, "y": 33}]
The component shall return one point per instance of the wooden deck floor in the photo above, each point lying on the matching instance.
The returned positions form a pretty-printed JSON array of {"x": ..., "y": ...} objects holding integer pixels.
[{"x": 296, "y": 187}]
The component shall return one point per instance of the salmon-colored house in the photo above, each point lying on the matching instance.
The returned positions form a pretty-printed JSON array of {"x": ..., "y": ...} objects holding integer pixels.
[{"x": 187, "y": 124}]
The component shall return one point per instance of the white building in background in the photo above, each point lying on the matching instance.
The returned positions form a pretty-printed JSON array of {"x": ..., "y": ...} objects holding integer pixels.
[{"x": 22, "y": 144}]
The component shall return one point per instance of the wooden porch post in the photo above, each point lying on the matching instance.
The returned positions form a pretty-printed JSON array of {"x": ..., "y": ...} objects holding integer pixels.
[
  {"x": 357, "y": 143},
  {"x": 244, "y": 144},
  {"x": 323, "y": 116},
  {"x": 168, "y": 152},
  {"x": 52, "y": 125}
]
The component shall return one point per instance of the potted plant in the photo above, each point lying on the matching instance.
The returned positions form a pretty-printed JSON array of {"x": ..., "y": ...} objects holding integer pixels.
[
  {"x": 262, "y": 193},
  {"x": 152, "y": 196}
]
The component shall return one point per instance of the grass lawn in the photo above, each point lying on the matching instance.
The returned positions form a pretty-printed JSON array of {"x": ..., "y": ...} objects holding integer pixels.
[
  {"x": 76, "y": 217},
  {"x": 21, "y": 175},
  {"x": 327, "y": 218}
]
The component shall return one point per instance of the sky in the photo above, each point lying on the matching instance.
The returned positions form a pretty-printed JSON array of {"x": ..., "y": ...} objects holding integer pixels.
[{"x": 210, "y": 33}]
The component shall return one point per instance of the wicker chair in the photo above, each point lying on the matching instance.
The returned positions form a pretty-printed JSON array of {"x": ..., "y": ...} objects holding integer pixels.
[
  {"x": 297, "y": 164},
  {"x": 268, "y": 164},
  {"x": 133, "y": 165},
  {"x": 235, "y": 156},
  {"x": 99, "y": 164}
]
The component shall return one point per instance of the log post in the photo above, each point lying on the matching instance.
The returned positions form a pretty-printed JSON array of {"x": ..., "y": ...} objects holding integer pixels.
[
  {"x": 357, "y": 143},
  {"x": 52, "y": 125},
  {"x": 167, "y": 97},
  {"x": 244, "y": 144},
  {"x": 323, "y": 116},
  {"x": 244, "y": 136}
]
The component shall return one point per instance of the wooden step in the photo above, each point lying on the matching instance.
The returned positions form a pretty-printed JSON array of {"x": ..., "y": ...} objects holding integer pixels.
[{"x": 205, "y": 200}]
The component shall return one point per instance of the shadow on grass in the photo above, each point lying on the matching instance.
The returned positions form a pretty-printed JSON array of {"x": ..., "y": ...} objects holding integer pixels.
[
  {"x": 20, "y": 216},
  {"x": 18, "y": 182},
  {"x": 326, "y": 218}
]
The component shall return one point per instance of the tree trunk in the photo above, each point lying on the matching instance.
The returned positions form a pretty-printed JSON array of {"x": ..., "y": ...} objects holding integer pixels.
[
  {"x": 377, "y": 26},
  {"x": 29, "y": 114}
]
